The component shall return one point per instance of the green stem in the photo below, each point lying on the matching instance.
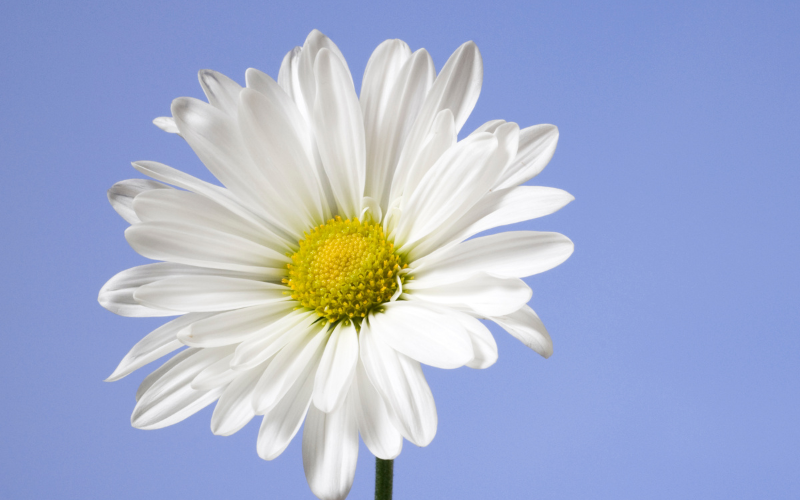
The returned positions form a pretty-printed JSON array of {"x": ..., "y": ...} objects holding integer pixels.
[{"x": 384, "y": 470}]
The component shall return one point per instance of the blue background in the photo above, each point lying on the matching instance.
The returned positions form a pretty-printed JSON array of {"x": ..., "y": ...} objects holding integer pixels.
[{"x": 675, "y": 323}]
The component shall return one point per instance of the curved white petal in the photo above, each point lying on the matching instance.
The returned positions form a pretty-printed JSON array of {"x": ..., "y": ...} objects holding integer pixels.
[
  {"x": 215, "y": 375},
  {"x": 299, "y": 72},
  {"x": 205, "y": 247},
  {"x": 339, "y": 129},
  {"x": 336, "y": 368},
  {"x": 442, "y": 137},
  {"x": 235, "y": 406},
  {"x": 387, "y": 137},
  {"x": 507, "y": 135},
  {"x": 497, "y": 208},
  {"x": 371, "y": 210},
  {"x": 456, "y": 88},
  {"x": 297, "y": 78},
  {"x": 287, "y": 75},
  {"x": 281, "y": 373},
  {"x": 537, "y": 144},
  {"x": 269, "y": 340},
  {"x": 374, "y": 422},
  {"x": 489, "y": 126},
  {"x": 394, "y": 87},
  {"x": 121, "y": 196},
  {"x": 170, "y": 398},
  {"x": 184, "y": 207},
  {"x": 221, "y": 91},
  {"x": 513, "y": 253},
  {"x": 219, "y": 195},
  {"x": 280, "y": 142},
  {"x": 481, "y": 293},
  {"x": 454, "y": 183},
  {"x": 168, "y": 365},
  {"x": 117, "y": 294},
  {"x": 216, "y": 140},
  {"x": 483, "y": 343},
  {"x": 422, "y": 333},
  {"x": 283, "y": 421},
  {"x": 526, "y": 326},
  {"x": 400, "y": 382},
  {"x": 330, "y": 451},
  {"x": 380, "y": 75},
  {"x": 233, "y": 327},
  {"x": 167, "y": 124},
  {"x": 208, "y": 293},
  {"x": 160, "y": 342}
]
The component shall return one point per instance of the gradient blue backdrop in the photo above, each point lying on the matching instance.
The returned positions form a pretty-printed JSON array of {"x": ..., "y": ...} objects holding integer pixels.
[{"x": 675, "y": 323}]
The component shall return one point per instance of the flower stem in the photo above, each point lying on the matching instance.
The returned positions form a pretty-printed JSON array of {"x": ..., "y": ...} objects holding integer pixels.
[{"x": 384, "y": 470}]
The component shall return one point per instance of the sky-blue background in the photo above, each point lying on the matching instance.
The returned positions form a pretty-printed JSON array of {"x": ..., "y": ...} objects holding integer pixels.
[{"x": 676, "y": 370}]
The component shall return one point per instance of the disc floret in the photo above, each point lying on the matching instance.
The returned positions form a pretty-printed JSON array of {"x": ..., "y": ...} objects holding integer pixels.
[{"x": 344, "y": 268}]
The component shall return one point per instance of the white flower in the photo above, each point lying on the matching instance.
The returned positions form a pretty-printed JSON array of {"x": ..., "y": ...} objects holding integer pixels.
[{"x": 337, "y": 257}]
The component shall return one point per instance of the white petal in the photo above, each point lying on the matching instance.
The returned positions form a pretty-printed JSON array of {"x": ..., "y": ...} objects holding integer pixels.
[
  {"x": 452, "y": 185},
  {"x": 371, "y": 209},
  {"x": 117, "y": 294},
  {"x": 481, "y": 293},
  {"x": 513, "y": 253},
  {"x": 204, "y": 247},
  {"x": 183, "y": 207},
  {"x": 422, "y": 333},
  {"x": 387, "y": 135},
  {"x": 281, "y": 373},
  {"x": 171, "y": 398},
  {"x": 497, "y": 208},
  {"x": 280, "y": 142},
  {"x": 402, "y": 385},
  {"x": 160, "y": 342},
  {"x": 483, "y": 343},
  {"x": 287, "y": 75},
  {"x": 219, "y": 195},
  {"x": 215, "y": 138},
  {"x": 156, "y": 374},
  {"x": 121, "y": 196},
  {"x": 380, "y": 75},
  {"x": 374, "y": 423},
  {"x": 166, "y": 123},
  {"x": 269, "y": 340},
  {"x": 296, "y": 77},
  {"x": 456, "y": 88},
  {"x": 221, "y": 91},
  {"x": 235, "y": 407},
  {"x": 330, "y": 452},
  {"x": 537, "y": 145},
  {"x": 507, "y": 137},
  {"x": 208, "y": 293},
  {"x": 489, "y": 126},
  {"x": 384, "y": 70},
  {"x": 339, "y": 129},
  {"x": 526, "y": 326},
  {"x": 215, "y": 375},
  {"x": 304, "y": 85},
  {"x": 282, "y": 422},
  {"x": 233, "y": 327},
  {"x": 442, "y": 137},
  {"x": 336, "y": 368}
]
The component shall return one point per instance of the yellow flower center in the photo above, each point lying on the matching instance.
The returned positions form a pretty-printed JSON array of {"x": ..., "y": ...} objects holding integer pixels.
[{"x": 344, "y": 268}]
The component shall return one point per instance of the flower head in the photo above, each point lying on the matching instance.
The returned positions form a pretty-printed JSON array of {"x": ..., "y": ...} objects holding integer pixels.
[{"x": 336, "y": 256}]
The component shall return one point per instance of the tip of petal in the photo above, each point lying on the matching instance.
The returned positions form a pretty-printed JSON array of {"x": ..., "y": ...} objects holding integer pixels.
[{"x": 166, "y": 123}]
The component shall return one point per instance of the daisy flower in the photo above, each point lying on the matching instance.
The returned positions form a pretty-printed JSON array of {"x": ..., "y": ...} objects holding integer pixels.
[{"x": 336, "y": 256}]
